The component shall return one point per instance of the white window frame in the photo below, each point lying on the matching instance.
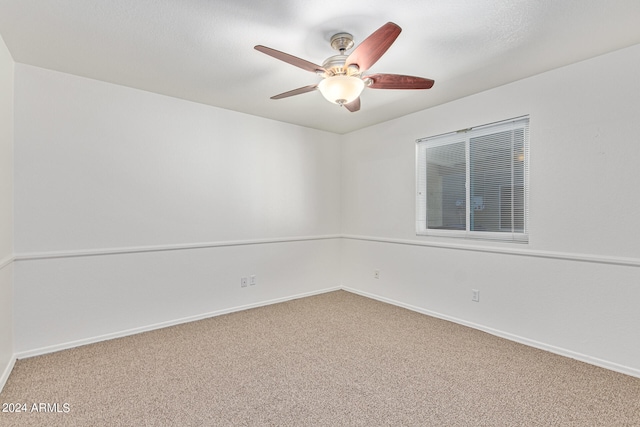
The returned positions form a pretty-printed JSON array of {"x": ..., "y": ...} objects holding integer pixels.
[{"x": 465, "y": 136}]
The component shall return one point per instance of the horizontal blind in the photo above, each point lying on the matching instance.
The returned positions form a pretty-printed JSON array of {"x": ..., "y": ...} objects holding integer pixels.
[{"x": 493, "y": 162}]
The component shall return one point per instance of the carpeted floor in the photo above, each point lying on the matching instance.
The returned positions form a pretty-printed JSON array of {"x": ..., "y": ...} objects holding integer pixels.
[{"x": 335, "y": 359}]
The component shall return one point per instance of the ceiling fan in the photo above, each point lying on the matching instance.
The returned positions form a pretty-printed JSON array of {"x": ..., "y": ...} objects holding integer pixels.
[{"x": 343, "y": 80}]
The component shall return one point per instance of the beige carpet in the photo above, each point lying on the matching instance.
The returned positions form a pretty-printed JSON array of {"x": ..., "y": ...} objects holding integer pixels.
[{"x": 335, "y": 359}]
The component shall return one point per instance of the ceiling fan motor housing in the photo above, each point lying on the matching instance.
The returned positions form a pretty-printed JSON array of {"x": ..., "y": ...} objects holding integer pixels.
[{"x": 335, "y": 65}]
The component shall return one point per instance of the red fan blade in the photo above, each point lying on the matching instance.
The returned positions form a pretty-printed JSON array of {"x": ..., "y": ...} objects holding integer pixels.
[
  {"x": 374, "y": 46},
  {"x": 396, "y": 81},
  {"x": 293, "y": 60},
  {"x": 353, "y": 106},
  {"x": 298, "y": 91}
]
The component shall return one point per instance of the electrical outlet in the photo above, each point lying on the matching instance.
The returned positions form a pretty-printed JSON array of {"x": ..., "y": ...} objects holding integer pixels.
[
  {"x": 475, "y": 295},
  {"x": 243, "y": 282},
  {"x": 376, "y": 274},
  {"x": 252, "y": 280}
]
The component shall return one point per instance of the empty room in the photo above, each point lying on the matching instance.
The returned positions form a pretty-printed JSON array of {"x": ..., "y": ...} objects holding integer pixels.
[{"x": 410, "y": 213}]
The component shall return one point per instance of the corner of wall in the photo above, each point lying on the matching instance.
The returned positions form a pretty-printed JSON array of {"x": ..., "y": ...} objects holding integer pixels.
[{"x": 7, "y": 72}]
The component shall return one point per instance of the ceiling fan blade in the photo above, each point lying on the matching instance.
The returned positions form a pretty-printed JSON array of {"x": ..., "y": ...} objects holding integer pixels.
[
  {"x": 374, "y": 46},
  {"x": 396, "y": 81},
  {"x": 298, "y": 91},
  {"x": 293, "y": 60},
  {"x": 353, "y": 106}
]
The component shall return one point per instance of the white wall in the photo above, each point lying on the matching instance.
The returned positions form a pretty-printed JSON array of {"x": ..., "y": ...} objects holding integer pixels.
[
  {"x": 102, "y": 166},
  {"x": 6, "y": 212},
  {"x": 134, "y": 209},
  {"x": 574, "y": 288}
]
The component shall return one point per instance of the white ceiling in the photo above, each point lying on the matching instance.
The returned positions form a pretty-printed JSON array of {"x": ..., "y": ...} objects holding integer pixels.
[{"x": 202, "y": 50}]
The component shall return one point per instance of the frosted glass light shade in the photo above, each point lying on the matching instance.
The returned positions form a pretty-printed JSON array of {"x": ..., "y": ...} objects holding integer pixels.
[{"x": 341, "y": 89}]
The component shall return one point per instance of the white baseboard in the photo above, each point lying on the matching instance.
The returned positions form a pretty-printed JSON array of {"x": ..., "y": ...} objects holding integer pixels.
[
  {"x": 6, "y": 372},
  {"x": 133, "y": 331},
  {"x": 511, "y": 337}
]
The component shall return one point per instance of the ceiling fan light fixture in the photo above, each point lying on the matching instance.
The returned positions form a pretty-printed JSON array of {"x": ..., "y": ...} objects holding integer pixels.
[
  {"x": 341, "y": 89},
  {"x": 343, "y": 80}
]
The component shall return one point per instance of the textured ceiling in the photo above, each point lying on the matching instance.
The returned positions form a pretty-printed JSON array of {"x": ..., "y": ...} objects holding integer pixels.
[{"x": 202, "y": 50}]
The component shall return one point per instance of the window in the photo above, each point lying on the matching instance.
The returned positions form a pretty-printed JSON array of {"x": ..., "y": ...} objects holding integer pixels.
[{"x": 474, "y": 183}]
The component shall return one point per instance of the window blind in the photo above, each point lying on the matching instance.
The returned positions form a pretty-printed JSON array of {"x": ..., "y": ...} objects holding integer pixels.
[{"x": 474, "y": 183}]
